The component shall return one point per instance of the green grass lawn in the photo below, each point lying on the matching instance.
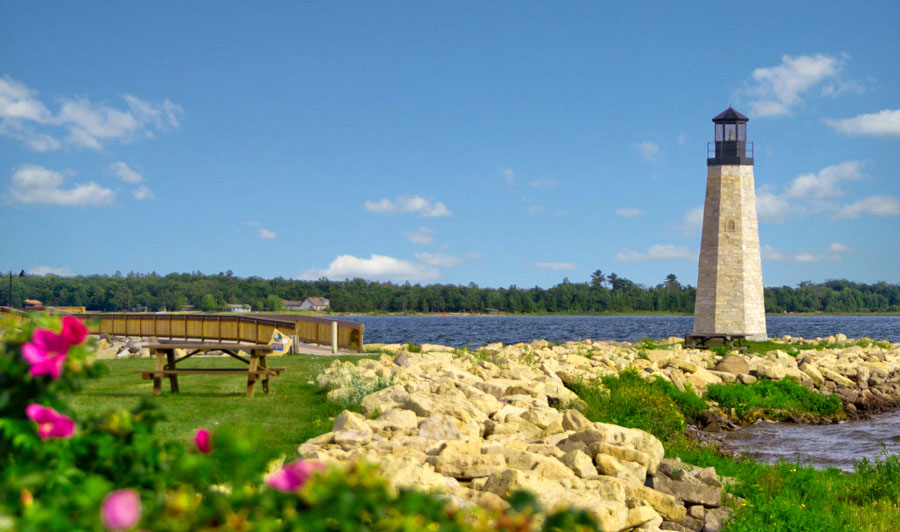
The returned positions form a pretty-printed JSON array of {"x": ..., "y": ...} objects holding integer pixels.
[{"x": 291, "y": 413}]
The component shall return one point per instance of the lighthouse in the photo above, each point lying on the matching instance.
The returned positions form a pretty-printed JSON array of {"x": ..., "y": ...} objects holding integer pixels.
[{"x": 729, "y": 280}]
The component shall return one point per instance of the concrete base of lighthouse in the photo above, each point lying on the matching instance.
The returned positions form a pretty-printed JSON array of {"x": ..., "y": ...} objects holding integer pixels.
[{"x": 729, "y": 282}]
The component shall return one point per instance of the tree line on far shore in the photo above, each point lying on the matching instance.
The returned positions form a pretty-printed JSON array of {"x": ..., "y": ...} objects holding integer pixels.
[{"x": 602, "y": 293}]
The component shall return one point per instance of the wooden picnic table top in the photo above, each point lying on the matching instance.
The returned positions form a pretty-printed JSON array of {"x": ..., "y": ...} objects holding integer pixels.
[{"x": 205, "y": 345}]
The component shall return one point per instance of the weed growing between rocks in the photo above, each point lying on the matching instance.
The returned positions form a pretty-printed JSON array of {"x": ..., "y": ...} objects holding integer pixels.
[{"x": 779, "y": 400}]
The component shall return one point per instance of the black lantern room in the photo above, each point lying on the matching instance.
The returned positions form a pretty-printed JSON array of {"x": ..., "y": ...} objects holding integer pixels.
[{"x": 731, "y": 146}]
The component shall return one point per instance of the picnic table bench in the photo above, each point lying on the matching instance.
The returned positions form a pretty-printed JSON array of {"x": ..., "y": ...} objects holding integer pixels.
[
  {"x": 706, "y": 341},
  {"x": 166, "y": 363}
]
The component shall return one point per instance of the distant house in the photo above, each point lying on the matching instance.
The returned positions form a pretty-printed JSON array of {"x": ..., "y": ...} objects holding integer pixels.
[
  {"x": 314, "y": 303},
  {"x": 291, "y": 305},
  {"x": 33, "y": 304},
  {"x": 238, "y": 307},
  {"x": 188, "y": 308}
]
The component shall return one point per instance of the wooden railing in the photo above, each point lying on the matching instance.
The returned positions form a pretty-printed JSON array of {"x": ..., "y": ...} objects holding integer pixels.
[{"x": 204, "y": 327}]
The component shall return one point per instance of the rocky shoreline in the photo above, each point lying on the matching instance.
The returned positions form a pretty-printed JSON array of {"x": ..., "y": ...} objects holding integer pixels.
[{"x": 479, "y": 425}]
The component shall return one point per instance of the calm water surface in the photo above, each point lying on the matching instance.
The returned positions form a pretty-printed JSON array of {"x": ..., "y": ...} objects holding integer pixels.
[
  {"x": 823, "y": 445},
  {"x": 476, "y": 331}
]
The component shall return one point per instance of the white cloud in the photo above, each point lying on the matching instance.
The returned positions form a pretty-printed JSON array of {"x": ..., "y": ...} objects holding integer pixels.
[
  {"x": 628, "y": 212},
  {"x": 882, "y": 206},
  {"x": 779, "y": 88},
  {"x": 837, "y": 247},
  {"x": 440, "y": 260},
  {"x": 772, "y": 207},
  {"x": 424, "y": 235},
  {"x": 656, "y": 252},
  {"x": 649, "y": 150},
  {"x": 250, "y": 223},
  {"x": 692, "y": 221},
  {"x": 544, "y": 183},
  {"x": 38, "y": 185},
  {"x": 473, "y": 255},
  {"x": 554, "y": 266},
  {"x": 47, "y": 270},
  {"x": 884, "y": 123},
  {"x": 834, "y": 252},
  {"x": 413, "y": 204},
  {"x": 376, "y": 268},
  {"x": 87, "y": 124},
  {"x": 535, "y": 209},
  {"x": 142, "y": 192},
  {"x": 682, "y": 137},
  {"x": 265, "y": 234},
  {"x": 824, "y": 183},
  {"x": 125, "y": 172},
  {"x": 509, "y": 175}
]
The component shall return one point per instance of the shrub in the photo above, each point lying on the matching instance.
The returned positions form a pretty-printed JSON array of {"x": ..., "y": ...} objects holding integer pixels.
[
  {"x": 777, "y": 399},
  {"x": 631, "y": 401}
]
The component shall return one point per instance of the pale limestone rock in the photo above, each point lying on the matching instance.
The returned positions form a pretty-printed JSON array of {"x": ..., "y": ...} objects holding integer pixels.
[
  {"x": 689, "y": 490},
  {"x": 771, "y": 371},
  {"x": 666, "y": 505},
  {"x": 580, "y": 463},
  {"x": 348, "y": 420},
  {"x": 575, "y": 420},
  {"x": 383, "y": 400},
  {"x": 641, "y": 515},
  {"x": 399, "y": 419},
  {"x": 461, "y": 447},
  {"x": 835, "y": 377},
  {"x": 352, "y": 438},
  {"x": 659, "y": 356},
  {"x": 440, "y": 427},
  {"x": 747, "y": 379},
  {"x": 467, "y": 466},
  {"x": 551, "y": 468}
]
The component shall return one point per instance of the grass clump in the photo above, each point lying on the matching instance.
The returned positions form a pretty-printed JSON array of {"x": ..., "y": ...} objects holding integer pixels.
[
  {"x": 631, "y": 401},
  {"x": 413, "y": 347},
  {"x": 773, "y": 399}
]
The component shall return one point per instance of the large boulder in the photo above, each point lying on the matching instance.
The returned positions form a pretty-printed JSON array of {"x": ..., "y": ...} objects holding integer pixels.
[{"x": 734, "y": 364}]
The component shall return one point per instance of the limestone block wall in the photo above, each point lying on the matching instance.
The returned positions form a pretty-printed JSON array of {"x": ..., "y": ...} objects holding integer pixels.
[{"x": 729, "y": 281}]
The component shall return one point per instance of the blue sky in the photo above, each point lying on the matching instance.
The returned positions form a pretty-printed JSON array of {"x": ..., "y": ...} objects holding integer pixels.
[{"x": 498, "y": 143}]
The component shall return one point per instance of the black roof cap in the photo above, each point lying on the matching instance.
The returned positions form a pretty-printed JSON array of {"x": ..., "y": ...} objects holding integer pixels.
[{"x": 730, "y": 115}]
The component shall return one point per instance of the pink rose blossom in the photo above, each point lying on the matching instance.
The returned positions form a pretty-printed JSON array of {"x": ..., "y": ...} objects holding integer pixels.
[
  {"x": 73, "y": 330},
  {"x": 51, "y": 424},
  {"x": 203, "y": 440},
  {"x": 46, "y": 352},
  {"x": 121, "y": 510},
  {"x": 294, "y": 475}
]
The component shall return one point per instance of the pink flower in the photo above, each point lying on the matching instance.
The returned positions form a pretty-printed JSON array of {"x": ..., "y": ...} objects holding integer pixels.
[
  {"x": 73, "y": 330},
  {"x": 46, "y": 352},
  {"x": 294, "y": 475},
  {"x": 51, "y": 424},
  {"x": 121, "y": 510},
  {"x": 203, "y": 439}
]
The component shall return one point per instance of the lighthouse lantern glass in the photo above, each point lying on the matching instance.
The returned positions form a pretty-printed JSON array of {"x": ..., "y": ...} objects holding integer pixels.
[
  {"x": 720, "y": 136},
  {"x": 730, "y": 130},
  {"x": 742, "y": 132}
]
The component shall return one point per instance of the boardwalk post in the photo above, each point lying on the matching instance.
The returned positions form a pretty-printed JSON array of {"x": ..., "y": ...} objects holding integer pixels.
[{"x": 334, "y": 337}]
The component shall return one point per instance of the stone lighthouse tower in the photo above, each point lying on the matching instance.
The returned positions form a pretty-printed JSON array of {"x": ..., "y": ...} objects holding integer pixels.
[{"x": 729, "y": 282}]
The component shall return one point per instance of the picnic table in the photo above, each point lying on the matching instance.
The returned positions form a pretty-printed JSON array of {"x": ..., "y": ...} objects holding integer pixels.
[
  {"x": 166, "y": 363},
  {"x": 705, "y": 341}
]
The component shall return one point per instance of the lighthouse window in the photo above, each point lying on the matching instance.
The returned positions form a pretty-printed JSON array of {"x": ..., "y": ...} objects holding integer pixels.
[
  {"x": 730, "y": 130},
  {"x": 742, "y": 132},
  {"x": 729, "y": 225},
  {"x": 719, "y": 135}
]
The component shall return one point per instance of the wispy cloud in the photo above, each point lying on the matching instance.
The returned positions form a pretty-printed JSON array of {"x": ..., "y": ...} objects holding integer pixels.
[
  {"x": 535, "y": 209},
  {"x": 142, "y": 192},
  {"x": 556, "y": 266},
  {"x": 79, "y": 121},
  {"x": 441, "y": 260},
  {"x": 38, "y": 185},
  {"x": 656, "y": 252},
  {"x": 424, "y": 236},
  {"x": 408, "y": 204},
  {"x": 48, "y": 270},
  {"x": 509, "y": 175},
  {"x": 884, "y": 123},
  {"x": 691, "y": 222},
  {"x": 628, "y": 212},
  {"x": 544, "y": 183},
  {"x": 375, "y": 268},
  {"x": 649, "y": 150},
  {"x": 882, "y": 206},
  {"x": 126, "y": 173},
  {"x": 265, "y": 234},
  {"x": 824, "y": 183},
  {"x": 777, "y": 90},
  {"x": 834, "y": 252}
]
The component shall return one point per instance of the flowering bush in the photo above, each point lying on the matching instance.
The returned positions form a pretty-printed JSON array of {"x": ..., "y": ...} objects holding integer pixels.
[{"x": 61, "y": 471}]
